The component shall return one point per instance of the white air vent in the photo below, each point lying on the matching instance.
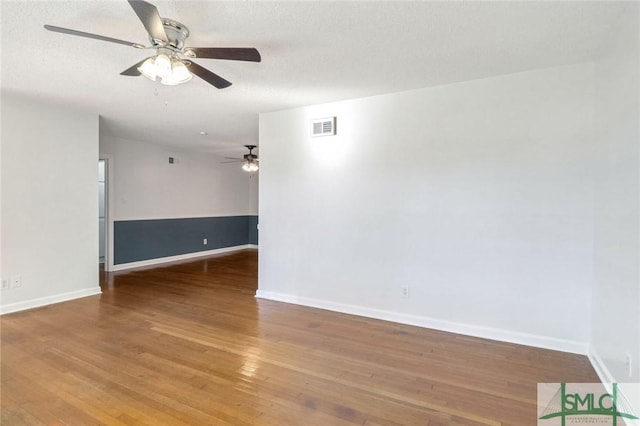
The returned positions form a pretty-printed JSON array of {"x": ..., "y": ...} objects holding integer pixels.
[{"x": 323, "y": 127}]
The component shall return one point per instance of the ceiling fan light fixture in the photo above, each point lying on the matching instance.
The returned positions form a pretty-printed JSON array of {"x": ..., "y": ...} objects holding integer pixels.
[
  {"x": 170, "y": 69},
  {"x": 148, "y": 69},
  {"x": 168, "y": 38},
  {"x": 250, "y": 166},
  {"x": 163, "y": 65},
  {"x": 179, "y": 74}
]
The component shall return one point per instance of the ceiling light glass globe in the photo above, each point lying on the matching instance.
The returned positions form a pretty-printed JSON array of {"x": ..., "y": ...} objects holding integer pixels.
[
  {"x": 250, "y": 166},
  {"x": 179, "y": 74},
  {"x": 163, "y": 65},
  {"x": 148, "y": 69}
]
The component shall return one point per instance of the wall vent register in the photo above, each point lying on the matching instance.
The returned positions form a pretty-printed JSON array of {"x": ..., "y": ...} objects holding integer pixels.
[{"x": 323, "y": 127}]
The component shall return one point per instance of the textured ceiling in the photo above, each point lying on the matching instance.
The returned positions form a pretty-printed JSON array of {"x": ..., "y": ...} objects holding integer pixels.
[{"x": 313, "y": 52}]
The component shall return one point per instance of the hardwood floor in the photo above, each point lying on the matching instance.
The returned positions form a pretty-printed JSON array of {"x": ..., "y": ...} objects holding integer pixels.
[{"x": 189, "y": 344}]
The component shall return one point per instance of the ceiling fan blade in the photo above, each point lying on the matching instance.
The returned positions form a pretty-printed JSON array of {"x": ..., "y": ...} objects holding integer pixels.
[
  {"x": 133, "y": 70},
  {"x": 232, "y": 53},
  {"x": 150, "y": 18},
  {"x": 235, "y": 161},
  {"x": 90, "y": 35},
  {"x": 208, "y": 76},
  {"x": 233, "y": 158}
]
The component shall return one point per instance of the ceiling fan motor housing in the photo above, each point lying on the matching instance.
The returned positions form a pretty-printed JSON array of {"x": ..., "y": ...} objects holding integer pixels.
[
  {"x": 250, "y": 156},
  {"x": 176, "y": 32}
]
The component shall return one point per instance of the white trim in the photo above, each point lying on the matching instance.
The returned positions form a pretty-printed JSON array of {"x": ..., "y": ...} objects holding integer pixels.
[
  {"x": 187, "y": 256},
  {"x": 606, "y": 378},
  {"x": 48, "y": 300},
  {"x": 437, "y": 324},
  {"x": 601, "y": 369}
]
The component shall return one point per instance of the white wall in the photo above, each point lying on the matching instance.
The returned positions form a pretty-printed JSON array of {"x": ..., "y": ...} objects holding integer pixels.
[
  {"x": 146, "y": 186},
  {"x": 616, "y": 304},
  {"x": 254, "y": 184},
  {"x": 478, "y": 196},
  {"x": 49, "y": 202}
]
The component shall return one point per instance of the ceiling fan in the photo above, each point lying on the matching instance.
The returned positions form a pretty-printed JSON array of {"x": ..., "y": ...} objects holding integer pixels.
[
  {"x": 172, "y": 62},
  {"x": 250, "y": 160}
]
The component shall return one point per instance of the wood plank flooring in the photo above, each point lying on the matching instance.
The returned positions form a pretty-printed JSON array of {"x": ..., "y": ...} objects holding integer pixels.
[{"x": 189, "y": 344}]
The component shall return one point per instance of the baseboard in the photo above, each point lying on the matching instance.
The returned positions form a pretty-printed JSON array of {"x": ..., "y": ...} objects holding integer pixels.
[
  {"x": 187, "y": 256},
  {"x": 427, "y": 322},
  {"x": 48, "y": 300},
  {"x": 601, "y": 369},
  {"x": 629, "y": 391}
]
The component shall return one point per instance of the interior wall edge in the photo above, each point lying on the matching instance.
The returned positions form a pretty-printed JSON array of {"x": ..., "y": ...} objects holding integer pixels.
[
  {"x": 599, "y": 366},
  {"x": 607, "y": 379}
]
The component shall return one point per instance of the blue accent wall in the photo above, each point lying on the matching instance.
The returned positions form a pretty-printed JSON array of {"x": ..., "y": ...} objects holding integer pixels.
[{"x": 137, "y": 240}]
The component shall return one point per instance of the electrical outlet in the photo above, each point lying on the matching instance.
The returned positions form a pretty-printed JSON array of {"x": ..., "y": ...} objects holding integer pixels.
[
  {"x": 15, "y": 281},
  {"x": 628, "y": 365},
  {"x": 204, "y": 241},
  {"x": 5, "y": 284},
  {"x": 405, "y": 291}
]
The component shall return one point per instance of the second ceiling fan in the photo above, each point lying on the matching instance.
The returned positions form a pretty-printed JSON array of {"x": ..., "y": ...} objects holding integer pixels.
[
  {"x": 250, "y": 160},
  {"x": 173, "y": 62}
]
